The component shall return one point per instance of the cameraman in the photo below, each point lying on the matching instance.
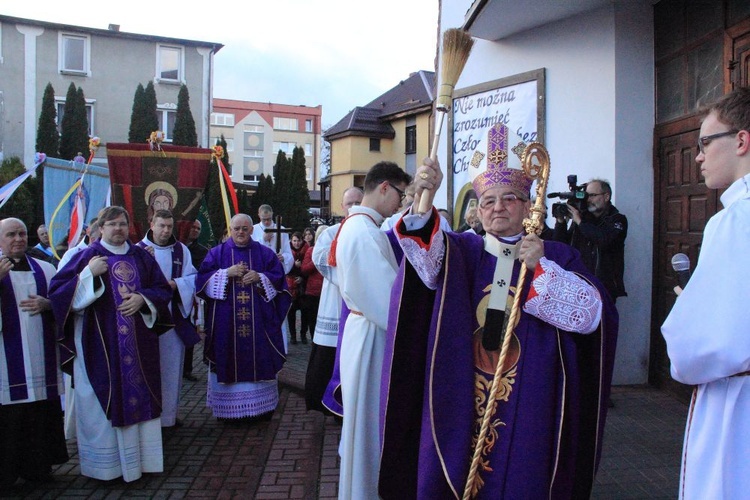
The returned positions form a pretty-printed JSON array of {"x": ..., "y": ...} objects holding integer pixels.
[{"x": 599, "y": 234}]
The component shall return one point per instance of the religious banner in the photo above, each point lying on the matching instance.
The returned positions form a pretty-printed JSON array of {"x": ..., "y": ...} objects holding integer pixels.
[
  {"x": 61, "y": 194},
  {"x": 145, "y": 178},
  {"x": 516, "y": 102}
]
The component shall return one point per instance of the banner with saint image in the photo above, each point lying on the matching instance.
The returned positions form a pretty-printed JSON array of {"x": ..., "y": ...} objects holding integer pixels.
[{"x": 145, "y": 178}]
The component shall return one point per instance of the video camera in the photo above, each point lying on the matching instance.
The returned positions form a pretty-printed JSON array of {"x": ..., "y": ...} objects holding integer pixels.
[{"x": 576, "y": 198}]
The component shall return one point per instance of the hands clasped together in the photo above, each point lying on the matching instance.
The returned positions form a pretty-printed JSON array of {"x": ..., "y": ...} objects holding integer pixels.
[{"x": 242, "y": 273}]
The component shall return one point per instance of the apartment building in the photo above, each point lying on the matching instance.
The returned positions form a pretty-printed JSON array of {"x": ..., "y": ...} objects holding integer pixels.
[
  {"x": 256, "y": 131},
  {"x": 108, "y": 65}
]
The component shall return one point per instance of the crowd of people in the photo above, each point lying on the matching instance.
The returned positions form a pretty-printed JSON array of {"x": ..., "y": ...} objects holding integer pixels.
[{"x": 429, "y": 346}]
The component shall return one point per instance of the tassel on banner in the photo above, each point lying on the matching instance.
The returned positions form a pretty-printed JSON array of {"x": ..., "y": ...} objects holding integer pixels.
[{"x": 225, "y": 183}]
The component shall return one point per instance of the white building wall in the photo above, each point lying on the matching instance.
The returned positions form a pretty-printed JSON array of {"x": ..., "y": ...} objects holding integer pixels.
[{"x": 599, "y": 123}]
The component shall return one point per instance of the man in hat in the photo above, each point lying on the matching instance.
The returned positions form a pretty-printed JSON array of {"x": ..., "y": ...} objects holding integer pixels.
[{"x": 451, "y": 299}]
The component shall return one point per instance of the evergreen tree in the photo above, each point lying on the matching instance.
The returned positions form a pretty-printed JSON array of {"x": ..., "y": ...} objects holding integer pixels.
[
  {"x": 24, "y": 201},
  {"x": 143, "y": 118},
  {"x": 47, "y": 136},
  {"x": 47, "y": 141},
  {"x": 137, "y": 132},
  {"x": 74, "y": 136},
  {"x": 263, "y": 195},
  {"x": 150, "y": 116},
  {"x": 81, "y": 125},
  {"x": 184, "y": 133},
  {"x": 297, "y": 212},
  {"x": 281, "y": 182},
  {"x": 244, "y": 202}
]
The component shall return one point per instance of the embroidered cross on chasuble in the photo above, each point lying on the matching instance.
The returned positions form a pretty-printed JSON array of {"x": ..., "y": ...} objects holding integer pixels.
[{"x": 498, "y": 308}]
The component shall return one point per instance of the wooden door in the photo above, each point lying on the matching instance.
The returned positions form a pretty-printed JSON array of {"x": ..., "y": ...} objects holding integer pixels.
[
  {"x": 683, "y": 206},
  {"x": 739, "y": 64}
]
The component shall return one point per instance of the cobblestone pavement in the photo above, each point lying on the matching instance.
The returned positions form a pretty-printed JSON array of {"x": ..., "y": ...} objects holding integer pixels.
[{"x": 295, "y": 454}]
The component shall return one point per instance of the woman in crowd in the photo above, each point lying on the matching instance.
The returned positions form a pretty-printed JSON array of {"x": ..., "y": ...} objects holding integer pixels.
[
  {"x": 313, "y": 286},
  {"x": 296, "y": 283}
]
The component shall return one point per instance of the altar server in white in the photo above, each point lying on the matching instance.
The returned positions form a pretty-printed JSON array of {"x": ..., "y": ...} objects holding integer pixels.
[
  {"x": 176, "y": 263},
  {"x": 707, "y": 334},
  {"x": 366, "y": 269}
]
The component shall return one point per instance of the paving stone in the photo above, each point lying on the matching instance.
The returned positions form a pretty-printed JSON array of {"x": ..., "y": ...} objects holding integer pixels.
[{"x": 295, "y": 455}]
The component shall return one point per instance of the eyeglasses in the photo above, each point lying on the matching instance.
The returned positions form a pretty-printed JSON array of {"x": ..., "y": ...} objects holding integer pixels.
[
  {"x": 591, "y": 195},
  {"x": 401, "y": 193},
  {"x": 505, "y": 199},
  {"x": 706, "y": 139},
  {"x": 116, "y": 224}
]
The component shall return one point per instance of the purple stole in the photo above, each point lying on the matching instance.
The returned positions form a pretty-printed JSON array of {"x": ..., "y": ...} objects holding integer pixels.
[
  {"x": 12, "y": 338},
  {"x": 136, "y": 400},
  {"x": 184, "y": 328}
]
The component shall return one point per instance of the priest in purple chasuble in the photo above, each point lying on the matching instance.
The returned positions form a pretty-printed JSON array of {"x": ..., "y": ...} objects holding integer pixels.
[
  {"x": 111, "y": 302},
  {"x": 243, "y": 284},
  {"x": 31, "y": 421},
  {"x": 449, "y": 307}
]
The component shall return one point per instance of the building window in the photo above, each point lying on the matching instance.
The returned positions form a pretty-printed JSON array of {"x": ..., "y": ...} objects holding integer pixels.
[
  {"x": 374, "y": 144},
  {"x": 60, "y": 105},
  {"x": 74, "y": 54},
  {"x": 308, "y": 126},
  {"x": 286, "y": 147},
  {"x": 284, "y": 123},
  {"x": 308, "y": 149},
  {"x": 251, "y": 178},
  {"x": 222, "y": 119},
  {"x": 167, "y": 117},
  {"x": 411, "y": 139},
  {"x": 253, "y": 153},
  {"x": 169, "y": 64},
  {"x": 254, "y": 128}
]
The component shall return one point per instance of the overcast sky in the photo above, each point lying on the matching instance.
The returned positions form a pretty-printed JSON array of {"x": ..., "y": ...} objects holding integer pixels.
[{"x": 337, "y": 53}]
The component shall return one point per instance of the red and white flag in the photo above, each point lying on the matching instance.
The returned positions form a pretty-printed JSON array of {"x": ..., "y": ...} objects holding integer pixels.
[{"x": 77, "y": 217}]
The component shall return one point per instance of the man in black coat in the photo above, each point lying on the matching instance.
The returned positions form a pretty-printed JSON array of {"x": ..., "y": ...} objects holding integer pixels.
[{"x": 599, "y": 234}]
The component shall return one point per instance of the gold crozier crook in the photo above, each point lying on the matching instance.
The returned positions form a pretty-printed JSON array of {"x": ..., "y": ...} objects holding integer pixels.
[{"x": 535, "y": 162}]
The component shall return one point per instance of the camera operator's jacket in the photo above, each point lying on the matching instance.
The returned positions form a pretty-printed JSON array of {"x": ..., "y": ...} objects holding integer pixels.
[{"x": 601, "y": 242}]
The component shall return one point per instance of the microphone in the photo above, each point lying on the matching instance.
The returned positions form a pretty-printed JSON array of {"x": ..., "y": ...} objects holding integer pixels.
[{"x": 681, "y": 265}]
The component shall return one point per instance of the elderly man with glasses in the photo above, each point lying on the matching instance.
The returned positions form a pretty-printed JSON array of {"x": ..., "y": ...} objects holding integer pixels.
[
  {"x": 599, "y": 234},
  {"x": 449, "y": 305}
]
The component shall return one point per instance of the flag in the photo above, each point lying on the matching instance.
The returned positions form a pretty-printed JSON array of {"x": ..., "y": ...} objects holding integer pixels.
[
  {"x": 61, "y": 182},
  {"x": 77, "y": 217},
  {"x": 7, "y": 191}
]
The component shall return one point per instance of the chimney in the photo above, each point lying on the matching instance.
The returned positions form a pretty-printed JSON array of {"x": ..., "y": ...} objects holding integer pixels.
[{"x": 114, "y": 27}]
